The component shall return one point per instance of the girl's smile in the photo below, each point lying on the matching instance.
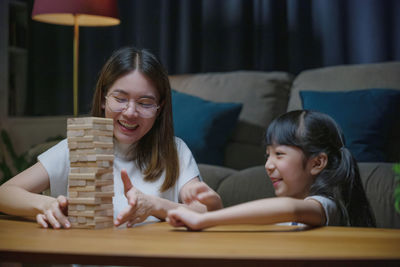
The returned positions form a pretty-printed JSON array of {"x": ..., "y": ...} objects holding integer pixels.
[{"x": 289, "y": 174}]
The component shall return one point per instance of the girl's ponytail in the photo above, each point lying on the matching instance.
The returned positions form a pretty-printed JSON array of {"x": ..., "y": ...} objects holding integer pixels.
[{"x": 352, "y": 192}]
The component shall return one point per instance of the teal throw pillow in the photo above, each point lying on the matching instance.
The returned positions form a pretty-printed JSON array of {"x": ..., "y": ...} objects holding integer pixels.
[
  {"x": 366, "y": 117},
  {"x": 205, "y": 126}
]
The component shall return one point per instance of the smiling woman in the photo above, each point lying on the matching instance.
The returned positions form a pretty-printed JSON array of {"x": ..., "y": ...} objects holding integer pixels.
[{"x": 153, "y": 170}]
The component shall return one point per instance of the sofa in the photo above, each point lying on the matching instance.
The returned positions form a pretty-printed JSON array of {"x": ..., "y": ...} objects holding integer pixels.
[{"x": 265, "y": 95}]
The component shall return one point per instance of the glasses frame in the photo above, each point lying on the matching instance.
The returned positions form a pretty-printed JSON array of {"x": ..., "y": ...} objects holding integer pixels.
[{"x": 156, "y": 107}]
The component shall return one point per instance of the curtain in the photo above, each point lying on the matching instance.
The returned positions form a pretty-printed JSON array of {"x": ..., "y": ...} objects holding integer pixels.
[{"x": 214, "y": 36}]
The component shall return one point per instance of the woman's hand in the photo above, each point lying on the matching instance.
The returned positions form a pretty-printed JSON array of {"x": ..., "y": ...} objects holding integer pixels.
[
  {"x": 139, "y": 204},
  {"x": 185, "y": 217},
  {"x": 201, "y": 192},
  {"x": 55, "y": 214}
]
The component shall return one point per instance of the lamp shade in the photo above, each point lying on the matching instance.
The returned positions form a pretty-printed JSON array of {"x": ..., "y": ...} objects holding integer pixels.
[{"x": 88, "y": 12}]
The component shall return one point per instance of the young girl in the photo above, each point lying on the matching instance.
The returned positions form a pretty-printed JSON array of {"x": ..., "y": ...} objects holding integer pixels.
[
  {"x": 316, "y": 180},
  {"x": 153, "y": 170}
]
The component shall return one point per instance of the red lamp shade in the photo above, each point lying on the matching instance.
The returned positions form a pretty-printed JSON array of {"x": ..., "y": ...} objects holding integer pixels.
[
  {"x": 76, "y": 13},
  {"x": 88, "y": 12}
]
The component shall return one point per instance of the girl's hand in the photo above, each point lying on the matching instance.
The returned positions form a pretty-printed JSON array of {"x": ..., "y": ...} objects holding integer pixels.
[
  {"x": 140, "y": 206},
  {"x": 55, "y": 214},
  {"x": 185, "y": 217},
  {"x": 201, "y": 192}
]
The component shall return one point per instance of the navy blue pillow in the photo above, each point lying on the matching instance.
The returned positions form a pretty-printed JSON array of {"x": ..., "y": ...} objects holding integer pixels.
[
  {"x": 365, "y": 116},
  {"x": 205, "y": 126}
]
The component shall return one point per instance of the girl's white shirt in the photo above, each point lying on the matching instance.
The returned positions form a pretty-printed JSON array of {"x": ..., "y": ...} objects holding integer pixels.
[
  {"x": 56, "y": 162},
  {"x": 332, "y": 213}
]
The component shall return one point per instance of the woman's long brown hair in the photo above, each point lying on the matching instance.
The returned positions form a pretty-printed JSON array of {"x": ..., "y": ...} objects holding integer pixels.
[{"x": 156, "y": 151}]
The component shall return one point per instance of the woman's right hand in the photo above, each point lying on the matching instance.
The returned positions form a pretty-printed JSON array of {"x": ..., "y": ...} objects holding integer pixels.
[
  {"x": 55, "y": 214},
  {"x": 201, "y": 192}
]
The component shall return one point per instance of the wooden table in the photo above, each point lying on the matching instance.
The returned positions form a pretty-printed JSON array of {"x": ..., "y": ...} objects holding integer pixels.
[{"x": 159, "y": 244}]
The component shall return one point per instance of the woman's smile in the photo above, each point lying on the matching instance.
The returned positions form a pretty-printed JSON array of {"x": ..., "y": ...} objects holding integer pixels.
[{"x": 127, "y": 125}]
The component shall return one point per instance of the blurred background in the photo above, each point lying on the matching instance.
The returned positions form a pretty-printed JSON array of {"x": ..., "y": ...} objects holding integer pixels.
[{"x": 189, "y": 37}]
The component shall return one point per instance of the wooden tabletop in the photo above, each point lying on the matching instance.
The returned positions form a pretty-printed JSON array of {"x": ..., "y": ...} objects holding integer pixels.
[{"x": 159, "y": 244}]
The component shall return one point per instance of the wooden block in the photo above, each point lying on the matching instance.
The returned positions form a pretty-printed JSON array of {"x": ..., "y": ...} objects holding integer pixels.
[
  {"x": 72, "y": 194},
  {"x": 90, "y": 188},
  {"x": 103, "y": 127},
  {"x": 82, "y": 176},
  {"x": 91, "y": 213},
  {"x": 75, "y": 133},
  {"x": 89, "y": 120},
  {"x": 103, "y": 182},
  {"x": 106, "y": 188},
  {"x": 95, "y": 132},
  {"x": 84, "y": 200},
  {"x": 84, "y": 164},
  {"x": 107, "y": 157},
  {"x": 106, "y": 200},
  {"x": 103, "y": 219},
  {"x": 104, "y": 164},
  {"x": 80, "y": 126},
  {"x": 82, "y": 194},
  {"x": 77, "y": 183},
  {"x": 103, "y": 144},
  {"x": 82, "y": 219},
  {"x": 90, "y": 207}
]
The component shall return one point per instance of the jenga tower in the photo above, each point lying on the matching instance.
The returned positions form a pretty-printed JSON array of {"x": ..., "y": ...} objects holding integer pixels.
[{"x": 90, "y": 181}]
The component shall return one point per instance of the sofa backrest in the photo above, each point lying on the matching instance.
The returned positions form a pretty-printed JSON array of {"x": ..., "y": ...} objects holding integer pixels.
[
  {"x": 264, "y": 96},
  {"x": 384, "y": 75}
]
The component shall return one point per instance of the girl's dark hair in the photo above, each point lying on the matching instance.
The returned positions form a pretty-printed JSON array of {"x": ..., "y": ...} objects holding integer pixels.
[
  {"x": 156, "y": 151},
  {"x": 315, "y": 133}
]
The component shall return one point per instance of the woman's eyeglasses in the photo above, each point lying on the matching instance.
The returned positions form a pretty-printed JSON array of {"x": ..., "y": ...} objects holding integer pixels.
[{"x": 145, "y": 107}]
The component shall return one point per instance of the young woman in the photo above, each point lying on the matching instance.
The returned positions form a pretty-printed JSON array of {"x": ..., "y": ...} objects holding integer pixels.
[
  {"x": 315, "y": 177},
  {"x": 153, "y": 170}
]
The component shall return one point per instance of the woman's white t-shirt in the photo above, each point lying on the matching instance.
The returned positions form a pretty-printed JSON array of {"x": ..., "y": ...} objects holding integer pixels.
[{"x": 56, "y": 162}]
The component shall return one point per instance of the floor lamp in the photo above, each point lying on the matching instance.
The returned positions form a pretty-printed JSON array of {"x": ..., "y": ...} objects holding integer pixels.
[{"x": 76, "y": 13}]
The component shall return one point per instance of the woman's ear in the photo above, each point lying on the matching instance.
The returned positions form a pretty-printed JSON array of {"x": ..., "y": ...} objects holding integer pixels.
[
  {"x": 103, "y": 103},
  {"x": 161, "y": 107},
  {"x": 319, "y": 163}
]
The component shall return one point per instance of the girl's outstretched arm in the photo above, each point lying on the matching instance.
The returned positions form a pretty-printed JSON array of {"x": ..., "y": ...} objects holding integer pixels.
[{"x": 264, "y": 211}]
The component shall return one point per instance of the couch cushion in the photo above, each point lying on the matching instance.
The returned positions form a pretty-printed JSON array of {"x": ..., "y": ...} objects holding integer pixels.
[
  {"x": 236, "y": 187},
  {"x": 264, "y": 96},
  {"x": 379, "y": 183},
  {"x": 205, "y": 126},
  {"x": 349, "y": 78},
  {"x": 366, "y": 117}
]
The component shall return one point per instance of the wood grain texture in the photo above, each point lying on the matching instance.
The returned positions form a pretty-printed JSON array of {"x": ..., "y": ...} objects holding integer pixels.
[{"x": 153, "y": 244}]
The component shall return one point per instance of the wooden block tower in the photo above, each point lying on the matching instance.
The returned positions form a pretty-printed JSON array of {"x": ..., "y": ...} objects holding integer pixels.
[{"x": 90, "y": 181}]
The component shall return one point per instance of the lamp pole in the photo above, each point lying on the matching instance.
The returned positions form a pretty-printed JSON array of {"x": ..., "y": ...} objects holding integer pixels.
[{"x": 75, "y": 66}]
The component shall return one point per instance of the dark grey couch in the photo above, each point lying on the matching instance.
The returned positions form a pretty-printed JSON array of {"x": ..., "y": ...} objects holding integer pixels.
[{"x": 266, "y": 95}]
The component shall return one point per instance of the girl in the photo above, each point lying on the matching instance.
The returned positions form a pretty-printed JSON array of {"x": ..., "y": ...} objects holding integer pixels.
[
  {"x": 156, "y": 169},
  {"x": 316, "y": 180}
]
